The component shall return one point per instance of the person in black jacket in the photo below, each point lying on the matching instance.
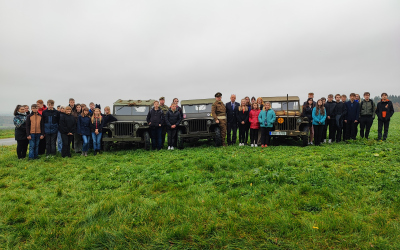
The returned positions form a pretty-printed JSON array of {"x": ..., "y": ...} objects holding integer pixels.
[
  {"x": 51, "y": 118},
  {"x": 172, "y": 120},
  {"x": 340, "y": 112},
  {"x": 384, "y": 110},
  {"x": 67, "y": 128},
  {"x": 155, "y": 119},
  {"x": 108, "y": 117},
  {"x": 351, "y": 120},
  {"x": 20, "y": 131},
  {"x": 330, "y": 119},
  {"x": 231, "y": 109},
  {"x": 242, "y": 116},
  {"x": 307, "y": 112}
]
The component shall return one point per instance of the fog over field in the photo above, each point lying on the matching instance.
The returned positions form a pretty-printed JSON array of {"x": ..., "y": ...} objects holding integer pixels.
[{"x": 105, "y": 50}]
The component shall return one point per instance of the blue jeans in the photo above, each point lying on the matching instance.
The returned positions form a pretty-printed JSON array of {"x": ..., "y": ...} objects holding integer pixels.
[
  {"x": 96, "y": 141},
  {"x": 34, "y": 146},
  {"x": 85, "y": 146},
  {"x": 59, "y": 142},
  {"x": 156, "y": 137}
]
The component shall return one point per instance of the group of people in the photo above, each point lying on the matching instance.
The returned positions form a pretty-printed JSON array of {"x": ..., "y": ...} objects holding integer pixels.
[{"x": 46, "y": 129}]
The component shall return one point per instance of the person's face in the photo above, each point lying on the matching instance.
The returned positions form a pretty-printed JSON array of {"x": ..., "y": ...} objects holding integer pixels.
[
  {"x": 352, "y": 97},
  {"x": 176, "y": 101},
  {"x": 68, "y": 111},
  {"x": 255, "y": 106},
  {"x": 323, "y": 102},
  {"x": 310, "y": 102},
  {"x": 156, "y": 105},
  {"x": 243, "y": 102},
  {"x": 319, "y": 102},
  {"x": 26, "y": 108},
  {"x": 162, "y": 102},
  {"x": 267, "y": 106},
  {"x": 218, "y": 98},
  {"x": 92, "y": 106},
  {"x": 21, "y": 109},
  {"x": 62, "y": 110},
  {"x": 311, "y": 96},
  {"x": 337, "y": 98},
  {"x": 40, "y": 105},
  {"x": 34, "y": 109},
  {"x": 71, "y": 103},
  {"x": 97, "y": 113},
  {"x": 384, "y": 97},
  {"x": 253, "y": 101},
  {"x": 106, "y": 111},
  {"x": 78, "y": 108},
  {"x": 50, "y": 106},
  {"x": 366, "y": 97},
  {"x": 344, "y": 98},
  {"x": 58, "y": 108},
  {"x": 173, "y": 107},
  {"x": 233, "y": 98},
  {"x": 330, "y": 98},
  {"x": 357, "y": 97},
  {"x": 86, "y": 112}
]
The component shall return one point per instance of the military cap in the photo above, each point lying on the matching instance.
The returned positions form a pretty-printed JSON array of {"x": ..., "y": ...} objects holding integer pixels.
[
  {"x": 162, "y": 98},
  {"x": 218, "y": 94}
]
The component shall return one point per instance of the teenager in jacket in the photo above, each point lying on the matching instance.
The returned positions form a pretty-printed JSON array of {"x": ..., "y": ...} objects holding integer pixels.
[
  {"x": 340, "y": 112},
  {"x": 84, "y": 130},
  {"x": 155, "y": 119},
  {"x": 96, "y": 127},
  {"x": 266, "y": 118},
  {"x": 307, "y": 112},
  {"x": 59, "y": 139},
  {"x": 367, "y": 115},
  {"x": 242, "y": 117},
  {"x": 330, "y": 119},
  {"x": 67, "y": 128},
  {"x": 351, "y": 120},
  {"x": 231, "y": 121},
  {"x": 51, "y": 118},
  {"x": 34, "y": 131},
  {"x": 42, "y": 143},
  {"x": 108, "y": 117},
  {"x": 318, "y": 117},
  {"x": 77, "y": 141},
  {"x": 172, "y": 120},
  {"x": 254, "y": 124},
  {"x": 20, "y": 131},
  {"x": 384, "y": 110}
]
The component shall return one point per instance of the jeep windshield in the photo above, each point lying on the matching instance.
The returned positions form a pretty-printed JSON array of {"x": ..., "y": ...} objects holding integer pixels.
[
  {"x": 191, "y": 109},
  {"x": 278, "y": 106},
  {"x": 132, "y": 110}
]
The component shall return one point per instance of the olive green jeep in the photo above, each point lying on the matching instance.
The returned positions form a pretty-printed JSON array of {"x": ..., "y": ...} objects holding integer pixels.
[
  {"x": 131, "y": 126},
  {"x": 289, "y": 122},
  {"x": 197, "y": 123}
]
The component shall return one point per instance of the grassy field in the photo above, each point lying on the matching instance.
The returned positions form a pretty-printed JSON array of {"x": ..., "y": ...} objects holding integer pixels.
[
  {"x": 342, "y": 196},
  {"x": 6, "y": 133}
]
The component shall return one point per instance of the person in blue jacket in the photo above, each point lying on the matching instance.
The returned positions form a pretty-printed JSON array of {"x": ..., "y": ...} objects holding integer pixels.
[
  {"x": 318, "y": 121},
  {"x": 84, "y": 129},
  {"x": 267, "y": 119},
  {"x": 352, "y": 116}
]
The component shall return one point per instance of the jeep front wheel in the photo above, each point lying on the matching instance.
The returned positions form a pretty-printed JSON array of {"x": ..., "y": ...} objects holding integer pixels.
[
  {"x": 179, "y": 139},
  {"x": 217, "y": 138},
  {"x": 146, "y": 138}
]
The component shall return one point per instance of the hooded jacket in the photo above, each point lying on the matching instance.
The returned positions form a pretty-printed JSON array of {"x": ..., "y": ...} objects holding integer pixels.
[
  {"x": 173, "y": 118},
  {"x": 51, "y": 119},
  {"x": 384, "y": 110},
  {"x": 253, "y": 119},
  {"x": 40, "y": 110},
  {"x": 67, "y": 124},
  {"x": 155, "y": 117},
  {"x": 20, "y": 126},
  {"x": 318, "y": 118},
  {"x": 267, "y": 118}
]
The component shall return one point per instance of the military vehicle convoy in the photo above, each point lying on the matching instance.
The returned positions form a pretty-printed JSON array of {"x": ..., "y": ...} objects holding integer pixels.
[
  {"x": 197, "y": 123},
  {"x": 289, "y": 123},
  {"x": 131, "y": 127}
]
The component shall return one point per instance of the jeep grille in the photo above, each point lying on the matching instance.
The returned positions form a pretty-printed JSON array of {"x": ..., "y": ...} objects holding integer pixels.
[
  {"x": 124, "y": 129},
  {"x": 197, "y": 125},
  {"x": 289, "y": 123}
]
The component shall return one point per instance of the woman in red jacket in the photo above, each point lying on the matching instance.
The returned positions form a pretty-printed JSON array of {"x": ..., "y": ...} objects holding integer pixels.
[{"x": 254, "y": 124}]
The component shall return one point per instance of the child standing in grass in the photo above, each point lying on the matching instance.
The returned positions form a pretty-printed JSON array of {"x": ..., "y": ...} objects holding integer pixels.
[
  {"x": 353, "y": 114},
  {"x": 84, "y": 129},
  {"x": 20, "y": 131},
  {"x": 307, "y": 112},
  {"x": 384, "y": 110},
  {"x": 59, "y": 139},
  {"x": 155, "y": 119},
  {"x": 34, "y": 132},
  {"x": 242, "y": 117},
  {"x": 67, "y": 128},
  {"x": 254, "y": 124},
  {"x": 367, "y": 115},
  {"x": 172, "y": 120},
  {"x": 51, "y": 118},
  {"x": 318, "y": 120},
  {"x": 266, "y": 118},
  {"x": 108, "y": 117},
  {"x": 344, "y": 127},
  {"x": 97, "y": 123},
  {"x": 77, "y": 137},
  {"x": 339, "y": 112}
]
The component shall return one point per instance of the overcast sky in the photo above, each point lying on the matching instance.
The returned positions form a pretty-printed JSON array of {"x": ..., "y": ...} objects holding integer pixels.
[{"x": 101, "y": 51}]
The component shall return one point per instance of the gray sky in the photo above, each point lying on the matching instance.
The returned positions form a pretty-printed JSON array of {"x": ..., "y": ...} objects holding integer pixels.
[{"x": 101, "y": 51}]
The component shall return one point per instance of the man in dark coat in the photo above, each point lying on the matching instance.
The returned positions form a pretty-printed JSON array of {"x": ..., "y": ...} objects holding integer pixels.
[
  {"x": 231, "y": 108},
  {"x": 353, "y": 114},
  {"x": 384, "y": 110}
]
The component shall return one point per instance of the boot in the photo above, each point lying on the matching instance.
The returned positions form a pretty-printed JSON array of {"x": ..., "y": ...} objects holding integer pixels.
[{"x": 95, "y": 152}]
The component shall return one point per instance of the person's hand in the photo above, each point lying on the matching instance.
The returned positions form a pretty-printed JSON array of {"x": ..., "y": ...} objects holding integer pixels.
[
  {"x": 242, "y": 122},
  {"x": 41, "y": 137},
  {"x": 149, "y": 123},
  {"x": 29, "y": 137},
  {"x": 173, "y": 126},
  {"x": 345, "y": 121},
  {"x": 329, "y": 117},
  {"x": 217, "y": 121},
  {"x": 355, "y": 121},
  {"x": 319, "y": 122},
  {"x": 159, "y": 125}
]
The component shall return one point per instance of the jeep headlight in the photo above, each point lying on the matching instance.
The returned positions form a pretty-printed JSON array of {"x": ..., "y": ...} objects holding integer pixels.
[
  {"x": 185, "y": 123},
  {"x": 136, "y": 126},
  {"x": 111, "y": 126},
  {"x": 209, "y": 122},
  {"x": 299, "y": 120}
]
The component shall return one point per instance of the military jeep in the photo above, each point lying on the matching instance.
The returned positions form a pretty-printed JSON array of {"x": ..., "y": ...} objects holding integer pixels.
[
  {"x": 289, "y": 123},
  {"x": 131, "y": 127},
  {"x": 197, "y": 123}
]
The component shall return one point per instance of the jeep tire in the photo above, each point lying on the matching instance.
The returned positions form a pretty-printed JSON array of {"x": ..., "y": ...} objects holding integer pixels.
[
  {"x": 217, "y": 138},
  {"x": 146, "y": 139}
]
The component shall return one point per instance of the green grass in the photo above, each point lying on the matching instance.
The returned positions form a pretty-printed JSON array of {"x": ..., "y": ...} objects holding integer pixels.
[
  {"x": 6, "y": 133},
  {"x": 342, "y": 196}
]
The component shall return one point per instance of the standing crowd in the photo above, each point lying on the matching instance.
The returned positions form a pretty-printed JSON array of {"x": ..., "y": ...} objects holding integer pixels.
[{"x": 46, "y": 129}]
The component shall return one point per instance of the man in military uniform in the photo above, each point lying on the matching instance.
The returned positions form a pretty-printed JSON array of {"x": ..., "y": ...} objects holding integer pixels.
[
  {"x": 218, "y": 111},
  {"x": 164, "y": 108}
]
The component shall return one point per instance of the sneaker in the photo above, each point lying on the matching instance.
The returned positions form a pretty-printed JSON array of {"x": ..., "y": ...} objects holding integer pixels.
[
  {"x": 172, "y": 148},
  {"x": 324, "y": 140},
  {"x": 330, "y": 141},
  {"x": 85, "y": 153},
  {"x": 252, "y": 145},
  {"x": 169, "y": 148},
  {"x": 262, "y": 145},
  {"x": 311, "y": 143},
  {"x": 255, "y": 145}
]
